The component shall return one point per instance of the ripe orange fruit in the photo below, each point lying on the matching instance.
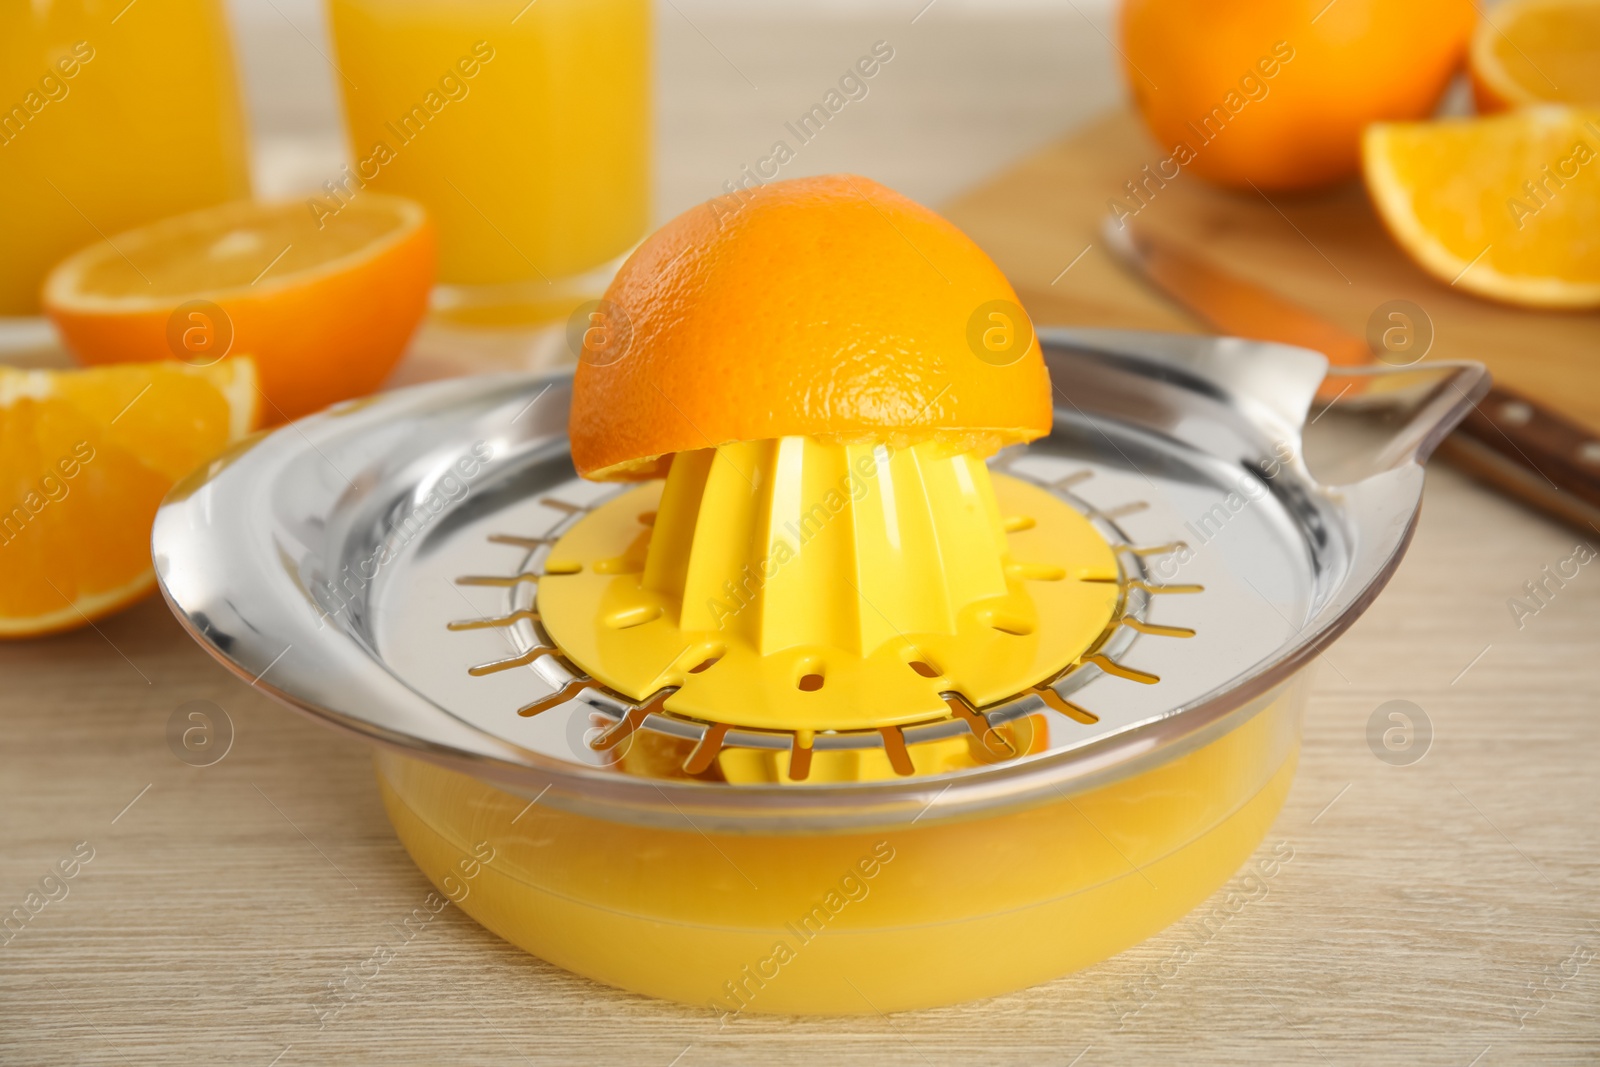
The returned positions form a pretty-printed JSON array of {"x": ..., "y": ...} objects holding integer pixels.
[
  {"x": 1506, "y": 207},
  {"x": 828, "y": 307},
  {"x": 1276, "y": 92},
  {"x": 85, "y": 458},
  {"x": 1537, "y": 51},
  {"x": 325, "y": 308}
]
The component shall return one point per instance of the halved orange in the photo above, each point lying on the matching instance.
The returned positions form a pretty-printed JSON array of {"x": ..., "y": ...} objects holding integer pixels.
[
  {"x": 85, "y": 458},
  {"x": 828, "y": 307},
  {"x": 1507, "y": 207},
  {"x": 324, "y": 302},
  {"x": 1537, "y": 51}
]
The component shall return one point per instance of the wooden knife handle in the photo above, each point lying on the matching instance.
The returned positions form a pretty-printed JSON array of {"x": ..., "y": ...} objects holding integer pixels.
[{"x": 1556, "y": 456}]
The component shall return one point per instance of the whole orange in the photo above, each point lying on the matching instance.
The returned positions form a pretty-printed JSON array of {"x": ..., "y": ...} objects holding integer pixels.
[{"x": 1275, "y": 93}]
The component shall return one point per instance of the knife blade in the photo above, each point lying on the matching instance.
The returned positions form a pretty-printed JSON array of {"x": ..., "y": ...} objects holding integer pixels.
[{"x": 1509, "y": 441}]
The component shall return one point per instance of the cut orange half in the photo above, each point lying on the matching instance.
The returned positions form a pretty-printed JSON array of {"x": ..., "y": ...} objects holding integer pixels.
[
  {"x": 1537, "y": 51},
  {"x": 1506, "y": 207},
  {"x": 85, "y": 458},
  {"x": 325, "y": 303}
]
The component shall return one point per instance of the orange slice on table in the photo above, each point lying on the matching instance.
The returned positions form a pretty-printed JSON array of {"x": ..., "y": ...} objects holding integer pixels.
[
  {"x": 85, "y": 458},
  {"x": 1507, "y": 207},
  {"x": 1537, "y": 51},
  {"x": 324, "y": 304}
]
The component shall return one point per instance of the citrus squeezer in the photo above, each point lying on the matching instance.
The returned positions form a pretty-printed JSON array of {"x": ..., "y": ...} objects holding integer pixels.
[{"x": 817, "y": 724}]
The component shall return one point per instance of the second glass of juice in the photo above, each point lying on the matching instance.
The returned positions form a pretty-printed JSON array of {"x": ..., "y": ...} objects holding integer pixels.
[{"x": 523, "y": 126}]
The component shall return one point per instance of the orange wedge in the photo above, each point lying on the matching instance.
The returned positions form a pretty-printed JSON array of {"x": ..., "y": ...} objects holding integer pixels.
[
  {"x": 325, "y": 303},
  {"x": 1537, "y": 51},
  {"x": 1506, "y": 207},
  {"x": 85, "y": 458}
]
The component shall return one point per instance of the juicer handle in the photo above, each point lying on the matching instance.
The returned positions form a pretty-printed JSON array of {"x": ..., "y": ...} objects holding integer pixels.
[{"x": 1453, "y": 392}]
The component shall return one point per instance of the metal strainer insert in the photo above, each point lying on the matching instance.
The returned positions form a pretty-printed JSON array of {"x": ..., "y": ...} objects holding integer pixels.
[
  {"x": 557, "y": 682},
  {"x": 377, "y": 566}
]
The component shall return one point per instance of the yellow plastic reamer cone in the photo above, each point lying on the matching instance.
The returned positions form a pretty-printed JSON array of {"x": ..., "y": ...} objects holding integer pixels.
[
  {"x": 796, "y": 586},
  {"x": 818, "y": 377}
]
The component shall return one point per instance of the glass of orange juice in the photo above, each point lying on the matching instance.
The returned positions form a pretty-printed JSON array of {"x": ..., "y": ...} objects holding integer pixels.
[
  {"x": 524, "y": 127},
  {"x": 112, "y": 114}
]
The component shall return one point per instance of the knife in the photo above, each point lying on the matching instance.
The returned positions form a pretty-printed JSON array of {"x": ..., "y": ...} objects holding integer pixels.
[{"x": 1509, "y": 441}]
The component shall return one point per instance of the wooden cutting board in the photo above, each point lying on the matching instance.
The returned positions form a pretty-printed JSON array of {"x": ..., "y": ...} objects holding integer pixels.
[{"x": 1326, "y": 251}]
